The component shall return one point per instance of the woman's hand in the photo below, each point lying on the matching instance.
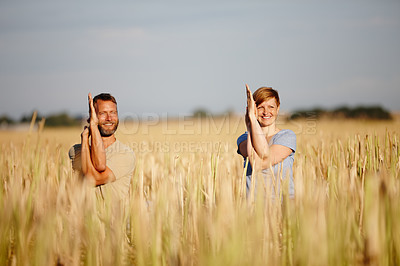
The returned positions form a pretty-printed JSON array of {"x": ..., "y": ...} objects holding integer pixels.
[{"x": 251, "y": 107}]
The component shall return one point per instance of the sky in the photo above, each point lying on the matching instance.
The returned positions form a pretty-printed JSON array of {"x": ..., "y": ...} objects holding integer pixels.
[{"x": 174, "y": 57}]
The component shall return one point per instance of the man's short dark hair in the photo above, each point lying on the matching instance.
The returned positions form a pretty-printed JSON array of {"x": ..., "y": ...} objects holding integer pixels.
[{"x": 104, "y": 97}]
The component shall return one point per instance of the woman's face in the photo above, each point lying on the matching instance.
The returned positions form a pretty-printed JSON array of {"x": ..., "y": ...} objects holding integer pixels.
[{"x": 267, "y": 112}]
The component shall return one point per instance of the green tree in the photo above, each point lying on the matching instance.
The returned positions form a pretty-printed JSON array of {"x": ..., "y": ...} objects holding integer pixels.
[
  {"x": 62, "y": 119},
  {"x": 4, "y": 119}
]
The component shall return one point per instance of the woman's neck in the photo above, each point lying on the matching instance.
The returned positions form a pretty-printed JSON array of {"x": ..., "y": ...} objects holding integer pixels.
[{"x": 270, "y": 130}]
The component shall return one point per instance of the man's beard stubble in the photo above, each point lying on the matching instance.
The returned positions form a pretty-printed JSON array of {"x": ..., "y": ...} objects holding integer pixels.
[{"x": 108, "y": 132}]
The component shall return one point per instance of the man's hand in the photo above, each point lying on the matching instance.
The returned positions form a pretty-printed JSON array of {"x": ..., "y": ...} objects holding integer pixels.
[
  {"x": 85, "y": 133},
  {"x": 93, "y": 120}
]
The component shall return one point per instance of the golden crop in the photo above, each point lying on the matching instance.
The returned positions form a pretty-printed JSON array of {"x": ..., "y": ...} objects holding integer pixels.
[{"x": 187, "y": 204}]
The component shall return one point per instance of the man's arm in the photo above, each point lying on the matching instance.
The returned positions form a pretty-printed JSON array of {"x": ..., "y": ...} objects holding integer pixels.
[
  {"x": 88, "y": 169},
  {"x": 98, "y": 153}
]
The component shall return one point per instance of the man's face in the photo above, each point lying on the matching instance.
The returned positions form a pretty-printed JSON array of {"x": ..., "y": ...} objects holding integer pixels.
[{"x": 107, "y": 114}]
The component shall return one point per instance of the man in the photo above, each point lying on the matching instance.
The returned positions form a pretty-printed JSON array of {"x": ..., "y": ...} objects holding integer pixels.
[{"x": 101, "y": 158}]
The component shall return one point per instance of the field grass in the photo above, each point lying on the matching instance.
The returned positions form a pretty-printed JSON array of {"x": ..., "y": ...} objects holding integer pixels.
[{"x": 187, "y": 204}]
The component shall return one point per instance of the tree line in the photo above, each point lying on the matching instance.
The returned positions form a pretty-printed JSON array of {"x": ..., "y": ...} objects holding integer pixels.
[
  {"x": 359, "y": 112},
  {"x": 53, "y": 120}
]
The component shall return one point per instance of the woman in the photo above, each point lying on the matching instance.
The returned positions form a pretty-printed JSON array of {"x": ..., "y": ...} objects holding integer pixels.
[{"x": 265, "y": 146}]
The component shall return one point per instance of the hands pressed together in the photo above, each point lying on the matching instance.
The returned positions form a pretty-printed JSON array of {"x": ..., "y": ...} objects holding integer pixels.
[
  {"x": 92, "y": 120},
  {"x": 251, "y": 109}
]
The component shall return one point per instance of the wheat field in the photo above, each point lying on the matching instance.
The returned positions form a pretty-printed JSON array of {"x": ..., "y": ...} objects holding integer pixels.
[{"x": 187, "y": 203}]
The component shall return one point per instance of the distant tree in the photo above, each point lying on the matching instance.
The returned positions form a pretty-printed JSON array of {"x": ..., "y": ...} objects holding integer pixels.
[
  {"x": 230, "y": 112},
  {"x": 200, "y": 113},
  {"x": 79, "y": 117},
  {"x": 360, "y": 112},
  {"x": 62, "y": 119},
  {"x": 4, "y": 119},
  {"x": 373, "y": 112},
  {"x": 28, "y": 118},
  {"x": 312, "y": 113},
  {"x": 341, "y": 112}
]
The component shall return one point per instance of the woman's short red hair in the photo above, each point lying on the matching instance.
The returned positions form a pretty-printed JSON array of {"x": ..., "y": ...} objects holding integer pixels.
[{"x": 265, "y": 93}]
